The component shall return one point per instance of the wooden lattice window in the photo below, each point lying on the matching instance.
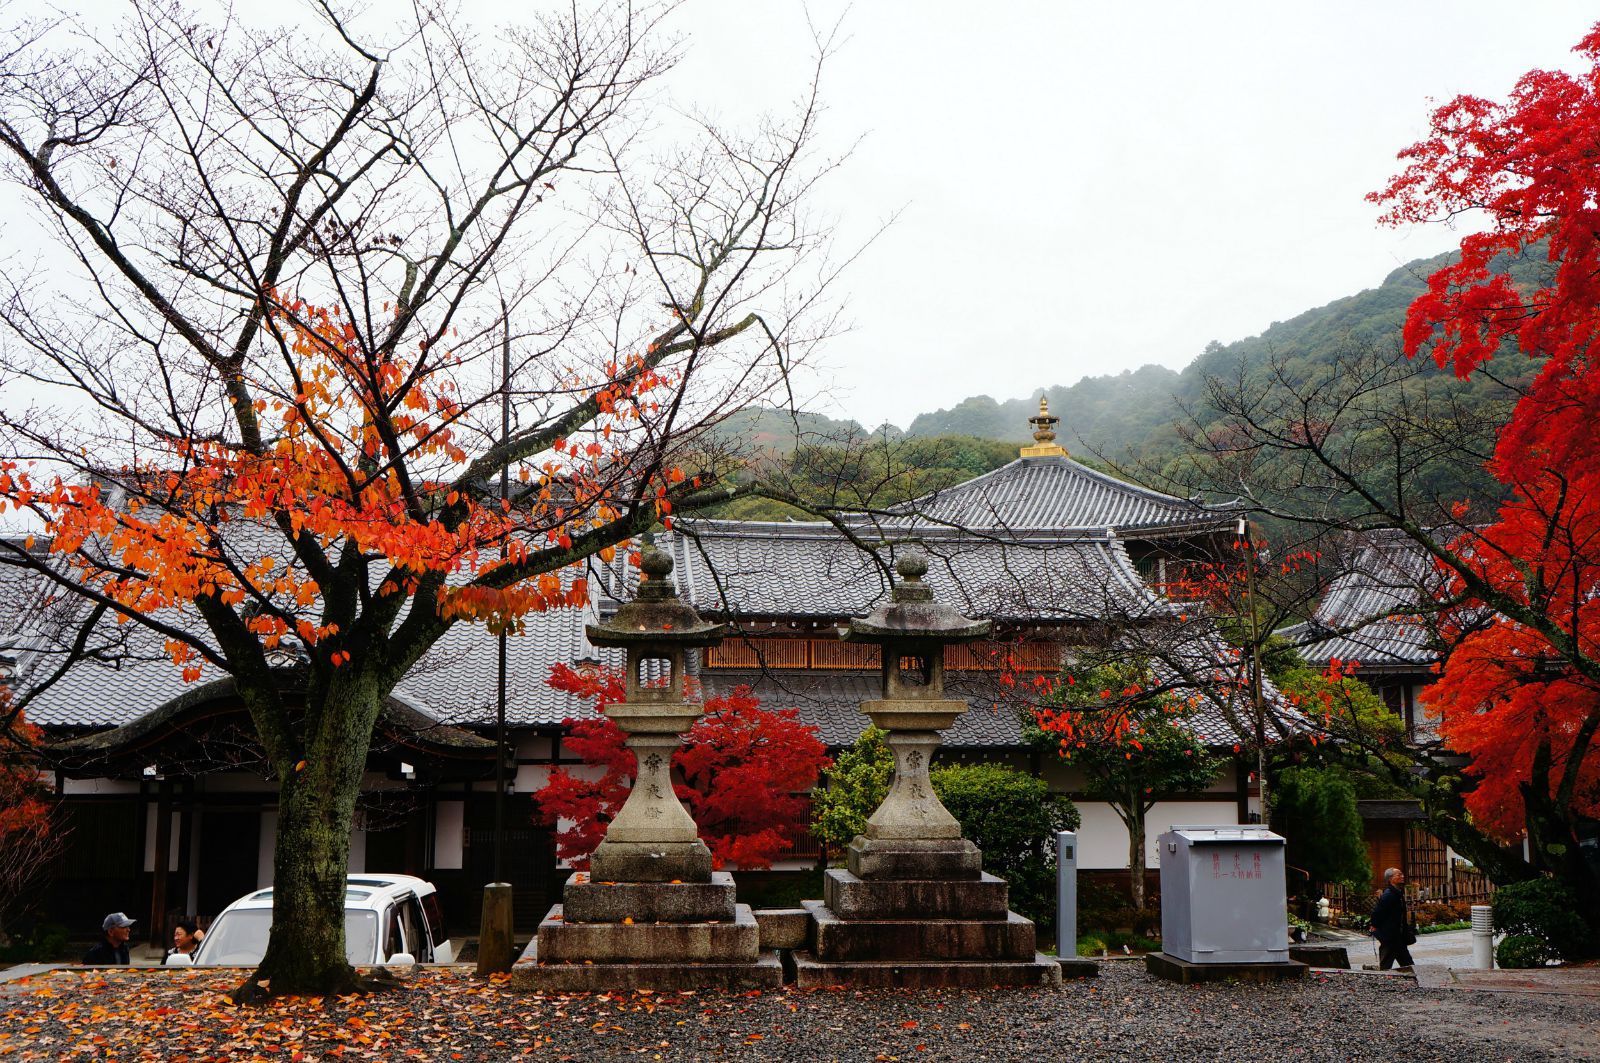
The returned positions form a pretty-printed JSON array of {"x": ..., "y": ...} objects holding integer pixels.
[
  {"x": 758, "y": 653},
  {"x": 834, "y": 654},
  {"x": 998, "y": 656}
]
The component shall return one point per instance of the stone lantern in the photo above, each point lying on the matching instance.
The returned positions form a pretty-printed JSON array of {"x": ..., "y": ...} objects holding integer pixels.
[
  {"x": 913, "y": 907},
  {"x": 911, "y": 833},
  {"x": 653, "y": 838},
  {"x": 650, "y": 913}
]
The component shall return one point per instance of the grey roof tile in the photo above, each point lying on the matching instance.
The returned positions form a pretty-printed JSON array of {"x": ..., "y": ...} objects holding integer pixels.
[
  {"x": 1059, "y": 494},
  {"x": 812, "y": 570},
  {"x": 1364, "y": 615}
]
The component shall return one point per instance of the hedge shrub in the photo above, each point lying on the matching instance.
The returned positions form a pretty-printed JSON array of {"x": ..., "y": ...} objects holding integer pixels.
[{"x": 1546, "y": 911}]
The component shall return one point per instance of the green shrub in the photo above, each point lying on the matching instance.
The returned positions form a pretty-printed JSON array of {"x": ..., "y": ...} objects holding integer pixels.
[
  {"x": 1013, "y": 817},
  {"x": 1437, "y": 928},
  {"x": 1522, "y": 950},
  {"x": 1546, "y": 910},
  {"x": 855, "y": 786},
  {"x": 1091, "y": 946}
]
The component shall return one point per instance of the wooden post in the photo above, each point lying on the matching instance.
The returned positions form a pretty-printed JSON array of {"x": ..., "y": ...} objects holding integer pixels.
[
  {"x": 495, "y": 945},
  {"x": 158, "y": 889}
]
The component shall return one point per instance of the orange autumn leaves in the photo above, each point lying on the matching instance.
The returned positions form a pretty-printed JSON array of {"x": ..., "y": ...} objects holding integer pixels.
[{"x": 354, "y": 451}]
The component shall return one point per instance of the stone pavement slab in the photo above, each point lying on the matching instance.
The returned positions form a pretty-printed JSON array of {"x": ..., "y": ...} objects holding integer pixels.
[{"x": 1563, "y": 981}]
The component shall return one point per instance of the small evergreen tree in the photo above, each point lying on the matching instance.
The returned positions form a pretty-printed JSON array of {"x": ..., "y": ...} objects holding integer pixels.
[
  {"x": 855, "y": 786},
  {"x": 1315, "y": 810}
]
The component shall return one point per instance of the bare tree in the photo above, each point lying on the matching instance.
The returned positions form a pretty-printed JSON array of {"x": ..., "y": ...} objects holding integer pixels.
[{"x": 292, "y": 274}]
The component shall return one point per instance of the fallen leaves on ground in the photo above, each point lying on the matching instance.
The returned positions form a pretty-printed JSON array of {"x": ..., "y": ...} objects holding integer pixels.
[{"x": 144, "y": 1014}]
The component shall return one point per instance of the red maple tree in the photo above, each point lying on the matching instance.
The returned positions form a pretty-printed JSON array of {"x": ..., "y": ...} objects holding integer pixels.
[
  {"x": 30, "y": 835},
  {"x": 746, "y": 773},
  {"x": 1520, "y": 691}
]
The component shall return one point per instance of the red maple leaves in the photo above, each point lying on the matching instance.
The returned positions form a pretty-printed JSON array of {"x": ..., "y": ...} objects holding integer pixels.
[
  {"x": 1520, "y": 693},
  {"x": 746, "y": 772}
]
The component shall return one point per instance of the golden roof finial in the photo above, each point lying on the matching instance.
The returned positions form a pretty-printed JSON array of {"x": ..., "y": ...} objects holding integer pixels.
[{"x": 1044, "y": 434}]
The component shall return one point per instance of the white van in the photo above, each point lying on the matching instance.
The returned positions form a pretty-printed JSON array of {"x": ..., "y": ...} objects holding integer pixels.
[{"x": 387, "y": 919}]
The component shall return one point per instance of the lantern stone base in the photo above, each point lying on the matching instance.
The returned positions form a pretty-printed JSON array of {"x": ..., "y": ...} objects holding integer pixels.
[
  {"x": 1011, "y": 937},
  {"x": 850, "y": 897},
  {"x": 662, "y": 862},
  {"x": 736, "y": 941},
  {"x": 812, "y": 973},
  {"x": 534, "y": 976},
  {"x": 899, "y": 858},
  {"x": 919, "y": 933},
  {"x": 647, "y": 935},
  {"x": 587, "y": 899}
]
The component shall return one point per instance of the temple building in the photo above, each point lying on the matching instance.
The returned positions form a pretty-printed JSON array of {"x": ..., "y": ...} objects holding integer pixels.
[{"x": 169, "y": 808}]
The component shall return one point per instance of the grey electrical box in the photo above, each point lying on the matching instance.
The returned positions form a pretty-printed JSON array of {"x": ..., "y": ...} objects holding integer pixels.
[{"x": 1222, "y": 895}]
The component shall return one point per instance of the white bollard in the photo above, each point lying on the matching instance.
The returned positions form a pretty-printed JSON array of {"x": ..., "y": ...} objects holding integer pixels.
[{"x": 1483, "y": 937}]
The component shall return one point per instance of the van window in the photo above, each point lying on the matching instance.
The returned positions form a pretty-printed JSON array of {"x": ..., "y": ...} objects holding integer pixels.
[
  {"x": 410, "y": 917},
  {"x": 393, "y": 942},
  {"x": 435, "y": 914}
]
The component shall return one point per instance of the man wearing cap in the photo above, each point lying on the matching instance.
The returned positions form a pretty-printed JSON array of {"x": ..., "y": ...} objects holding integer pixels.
[{"x": 113, "y": 946}]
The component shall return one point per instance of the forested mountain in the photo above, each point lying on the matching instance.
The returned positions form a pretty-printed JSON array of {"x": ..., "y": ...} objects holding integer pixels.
[
  {"x": 1112, "y": 414},
  {"x": 1129, "y": 418}
]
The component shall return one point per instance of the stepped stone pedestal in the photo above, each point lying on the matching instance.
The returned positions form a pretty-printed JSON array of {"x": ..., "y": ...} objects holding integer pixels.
[
  {"x": 650, "y": 913},
  {"x": 913, "y": 906}
]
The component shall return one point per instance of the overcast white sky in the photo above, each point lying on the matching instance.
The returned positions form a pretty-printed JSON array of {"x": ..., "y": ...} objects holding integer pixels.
[
  {"x": 1089, "y": 187},
  {"x": 1093, "y": 186}
]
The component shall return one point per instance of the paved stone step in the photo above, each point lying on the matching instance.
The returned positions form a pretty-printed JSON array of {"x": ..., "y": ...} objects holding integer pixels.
[
  {"x": 838, "y": 940},
  {"x": 812, "y": 973},
  {"x": 585, "y": 900},
  {"x": 532, "y": 976},
  {"x": 851, "y": 897},
  {"x": 736, "y": 941}
]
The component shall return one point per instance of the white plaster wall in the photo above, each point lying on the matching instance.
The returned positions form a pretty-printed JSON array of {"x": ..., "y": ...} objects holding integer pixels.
[
  {"x": 101, "y": 787},
  {"x": 449, "y": 834},
  {"x": 530, "y": 777},
  {"x": 1168, "y": 814},
  {"x": 266, "y": 847},
  {"x": 1103, "y": 840}
]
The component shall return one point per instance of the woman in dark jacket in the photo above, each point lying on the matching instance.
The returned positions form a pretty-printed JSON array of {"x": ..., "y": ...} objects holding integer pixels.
[{"x": 1389, "y": 923}]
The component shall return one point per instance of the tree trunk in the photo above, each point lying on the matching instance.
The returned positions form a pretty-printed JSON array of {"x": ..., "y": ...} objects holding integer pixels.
[
  {"x": 1136, "y": 856},
  {"x": 316, "y": 812}
]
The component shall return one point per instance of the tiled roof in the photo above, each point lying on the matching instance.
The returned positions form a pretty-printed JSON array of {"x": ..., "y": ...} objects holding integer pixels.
[
  {"x": 812, "y": 570},
  {"x": 1060, "y": 494},
  {"x": 1363, "y": 616},
  {"x": 454, "y": 683},
  {"x": 830, "y": 701}
]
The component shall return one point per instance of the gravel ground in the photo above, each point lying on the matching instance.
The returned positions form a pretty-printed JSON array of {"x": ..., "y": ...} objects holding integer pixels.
[{"x": 1124, "y": 1014}]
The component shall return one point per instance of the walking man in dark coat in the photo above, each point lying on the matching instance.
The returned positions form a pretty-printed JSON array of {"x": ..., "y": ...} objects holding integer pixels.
[
  {"x": 1389, "y": 923},
  {"x": 113, "y": 947}
]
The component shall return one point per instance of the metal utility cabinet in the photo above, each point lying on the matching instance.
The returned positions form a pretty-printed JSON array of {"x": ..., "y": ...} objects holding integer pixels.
[{"x": 1222, "y": 895}]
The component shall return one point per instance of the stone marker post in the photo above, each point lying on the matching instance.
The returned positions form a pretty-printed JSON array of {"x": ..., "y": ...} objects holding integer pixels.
[
  {"x": 650, "y": 913},
  {"x": 914, "y": 907}
]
